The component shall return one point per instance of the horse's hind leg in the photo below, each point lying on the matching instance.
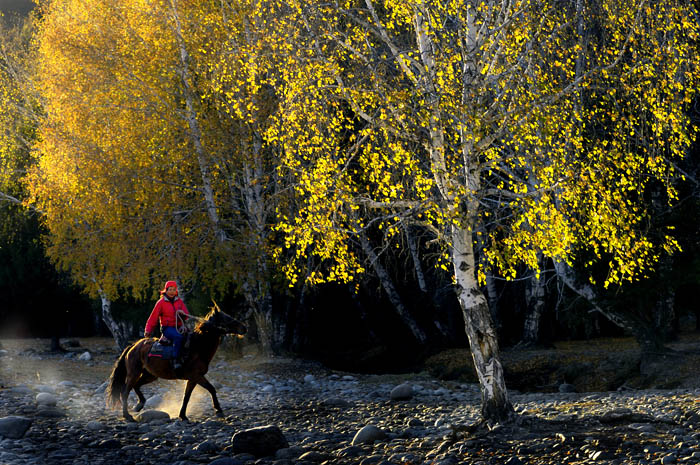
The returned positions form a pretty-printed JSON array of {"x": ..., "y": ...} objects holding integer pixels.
[
  {"x": 144, "y": 379},
  {"x": 130, "y": 382},
  {"x": 132, "y": 377},
  {"x": 208, "y": 386}
]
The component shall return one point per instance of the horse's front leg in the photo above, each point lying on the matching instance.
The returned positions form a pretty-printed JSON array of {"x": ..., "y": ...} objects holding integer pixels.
[
  {"x": 208, "y": 386},
  {"x": 188, "y": 392}
]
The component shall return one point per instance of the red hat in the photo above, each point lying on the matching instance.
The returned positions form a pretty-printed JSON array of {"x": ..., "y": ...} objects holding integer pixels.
[{"x": 167, "y": 285}]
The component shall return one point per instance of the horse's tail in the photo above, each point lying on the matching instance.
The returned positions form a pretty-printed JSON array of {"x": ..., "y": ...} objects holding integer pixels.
[{"x": 117, "y": 381}]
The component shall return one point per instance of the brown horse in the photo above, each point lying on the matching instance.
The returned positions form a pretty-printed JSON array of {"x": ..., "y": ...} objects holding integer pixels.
[{"x": 135, "y": 368}]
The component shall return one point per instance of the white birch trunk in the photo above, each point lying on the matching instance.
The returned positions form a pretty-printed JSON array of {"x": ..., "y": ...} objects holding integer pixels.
[
  {"x": 567, "y": 276},
  {"x": 492, "y": 294},
  {"x": 415, "y": 256},
  {"x": 535, "y": 294},
  {"x": 195, "y": 131},
  {"x": 270, "y": 332},
  {"x": 391, "y": 291},
  {"x": 117, "y": 330},
  {"x": 495, "y": 406}
]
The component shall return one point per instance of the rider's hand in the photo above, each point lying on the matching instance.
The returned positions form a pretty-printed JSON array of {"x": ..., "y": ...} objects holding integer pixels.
[{"x": 146, "y": 334}]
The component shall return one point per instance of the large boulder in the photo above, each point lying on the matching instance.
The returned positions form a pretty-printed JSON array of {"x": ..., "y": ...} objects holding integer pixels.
[
  {"x": 262, "y": 441},
  {"x": 14, "y": 427},
  {"x": 152, "y": 415},
  {"x": 46, "y": 398},
  {"x": 368, "y": 434},
  {"x": 402, "y": 392}
]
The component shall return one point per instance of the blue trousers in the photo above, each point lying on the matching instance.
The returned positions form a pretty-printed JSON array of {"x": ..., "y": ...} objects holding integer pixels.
[{"x": 171, "y": 333}]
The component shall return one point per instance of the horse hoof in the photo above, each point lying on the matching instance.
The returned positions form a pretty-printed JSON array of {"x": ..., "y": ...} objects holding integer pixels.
[
  {"x": 184, "y": 419},
  {"x": 220, "y": 414},
  {"x": 138, "y": 408},
  {"x": 129, "y": 418}
]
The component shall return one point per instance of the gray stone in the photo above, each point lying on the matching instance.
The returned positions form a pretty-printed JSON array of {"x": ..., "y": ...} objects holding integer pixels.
[
  {"x": 66, "y": 384},
  {"x": 109, "y": 444},
  {"x": 668, "y": 459},
  {"x": 154, "y": 401},
  {"x": 228, "y": 461},
  {"x": 413, "y": 422},
  {"x": 207, "y": 447},
  {"x": 372, "y": 460},
  {"x": 14, "y": 427},
  {"x": 289, "y": 453},
  {"x": 313, "y": 456},
  {"x": 50, "y": 412},
  {"x": 336, "y": 402},
  {"x": 350, "y": 452},
  {"x": 402, "y": 392},
  {"x": 94, "y": 425},
  {"x": 85, "y": 357},
  {"x": 45, "y": 398},
  {"x": 149, "y": 416},
  {"x": 262, "y": 441},
  {"x": 368, "y": 434}
]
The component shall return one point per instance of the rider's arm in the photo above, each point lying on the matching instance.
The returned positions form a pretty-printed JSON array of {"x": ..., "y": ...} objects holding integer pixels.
[{"x": 153, "y": 319}]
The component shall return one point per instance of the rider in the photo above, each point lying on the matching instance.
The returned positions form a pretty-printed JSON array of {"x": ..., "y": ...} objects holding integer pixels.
[{"x": 166, "y": 309}]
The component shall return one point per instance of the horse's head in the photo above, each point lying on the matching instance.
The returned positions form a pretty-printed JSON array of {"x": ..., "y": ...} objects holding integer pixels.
[{"x": 217, "y": 319}]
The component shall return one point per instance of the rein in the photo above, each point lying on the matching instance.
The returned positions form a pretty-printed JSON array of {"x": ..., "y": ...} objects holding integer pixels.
[{"x": 180, "y": 319}]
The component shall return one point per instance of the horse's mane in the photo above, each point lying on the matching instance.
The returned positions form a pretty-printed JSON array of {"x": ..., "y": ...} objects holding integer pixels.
[{"x": 202, "y": 322}]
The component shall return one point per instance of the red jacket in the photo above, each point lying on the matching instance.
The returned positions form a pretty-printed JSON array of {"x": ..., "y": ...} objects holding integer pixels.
[{"x": 165, "y": 310}]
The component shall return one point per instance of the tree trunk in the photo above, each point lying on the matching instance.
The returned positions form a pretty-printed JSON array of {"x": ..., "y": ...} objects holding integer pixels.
[
  {"x": 645, "y": 333},
  {"x": 413, "y": 247},
  {"x": 266, "y": 332},
  {"x": 56, "y": 344},
  {"x": 495, "y": 406},
  {"x": 117, "y": 330},
  {"x": 492, "y": 294},
  {"x": 271, "y": 332},
  {"x": 535, "y": 293},
  {"x": 391, "y": 291},
  {"x": 195, "y": 130}
]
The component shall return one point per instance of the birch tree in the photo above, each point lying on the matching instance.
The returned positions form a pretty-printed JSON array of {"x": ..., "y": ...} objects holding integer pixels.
[
  {"x": 154, "y": 129},
  {"x": 465, "y": 118}
]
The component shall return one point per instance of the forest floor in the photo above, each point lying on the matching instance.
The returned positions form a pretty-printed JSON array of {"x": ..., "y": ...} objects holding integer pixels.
[
  {"x": 604, "y": 364},
  {"x": 320, "y": 411}
]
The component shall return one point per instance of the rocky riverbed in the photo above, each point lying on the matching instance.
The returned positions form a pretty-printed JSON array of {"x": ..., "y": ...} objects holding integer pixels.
[{"x": 318, "y": 416}]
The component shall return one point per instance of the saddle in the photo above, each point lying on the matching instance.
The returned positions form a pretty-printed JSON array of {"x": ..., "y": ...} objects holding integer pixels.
[{"x": 163, "y": 348}]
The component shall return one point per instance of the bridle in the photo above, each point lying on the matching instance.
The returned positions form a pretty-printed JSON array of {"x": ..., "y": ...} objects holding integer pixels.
[{"x": 205, "y": 322}]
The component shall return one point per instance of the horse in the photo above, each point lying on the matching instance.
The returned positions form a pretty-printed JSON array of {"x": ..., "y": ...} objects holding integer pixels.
[{"x": 135, "y": 368}]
